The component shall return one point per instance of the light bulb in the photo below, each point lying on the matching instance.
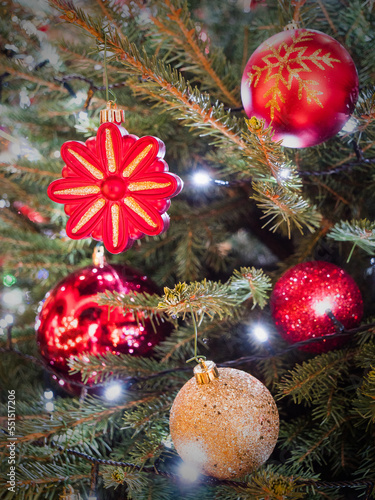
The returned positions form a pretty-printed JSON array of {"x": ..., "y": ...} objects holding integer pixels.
[
  {"x": 188, "y": 472},
  {"x": 48, "y": 394},
  {"x": 113, "y": 391},
  {"x": 201, "y": 178},
  {"x": 260, "y": 333}
]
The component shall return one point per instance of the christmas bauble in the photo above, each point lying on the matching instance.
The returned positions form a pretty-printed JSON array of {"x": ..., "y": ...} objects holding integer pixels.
[
  {"x": 303, "y": 83},
  {"x": 225, "y": 428},
  {"x": 70, "y": 322},
  {"x": 303, "y": 294},
  {"x": 116, "y": 187}
]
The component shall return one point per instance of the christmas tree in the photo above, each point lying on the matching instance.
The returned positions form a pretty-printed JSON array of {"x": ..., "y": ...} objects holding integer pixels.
[{"x": 263, "y": 262}]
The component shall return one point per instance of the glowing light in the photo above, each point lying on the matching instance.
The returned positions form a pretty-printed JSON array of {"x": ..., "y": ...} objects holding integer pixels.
[
  {"x": 113, "y": 391},
  {"x": 13, "y": 298},
  {"x": 188, "y": 472},
  {"x": 9, "y": 319},
  {"x": 350, "y": 125},
  {"x": 48, "y": 394},
  {"x": 50, "y": 406},
  {"x": 9, "y": 280},
  {"x": 260, "y": 333},
  {"x": 61, "y": 382},
  {"x": 284, "y": 173},
  {"x": 201, "y": 178},
  {"x": 321, "y": 306}
]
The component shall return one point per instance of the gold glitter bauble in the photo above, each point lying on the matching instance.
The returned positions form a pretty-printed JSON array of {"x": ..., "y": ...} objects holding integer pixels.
[{"x": 226, "y": 428}]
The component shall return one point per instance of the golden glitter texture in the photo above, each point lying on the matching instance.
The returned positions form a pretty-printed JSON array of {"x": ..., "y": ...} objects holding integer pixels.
[
  {"x": 227, "y": 428},
  {"x": 133, "y": 205},
  {"x": 141, "y": 186},
  {"x": 80, "y": 191},
  {"x": 112, "y": 167},
  {"x": 134, "y": 164},
  {"x": 94, "y": 209},
  {"x": 115, "y": 214},
  {"x": 93, "y": 170}
]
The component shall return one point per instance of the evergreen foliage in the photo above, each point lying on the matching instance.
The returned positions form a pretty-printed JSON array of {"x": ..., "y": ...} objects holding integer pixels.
[{"x": 175, "y": 67}]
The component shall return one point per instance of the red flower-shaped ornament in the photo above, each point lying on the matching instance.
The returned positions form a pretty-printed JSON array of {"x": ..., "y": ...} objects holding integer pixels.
[{"x": 116, "y": 187}]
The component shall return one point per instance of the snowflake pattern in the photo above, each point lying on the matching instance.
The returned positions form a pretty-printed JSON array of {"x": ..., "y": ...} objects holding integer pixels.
[{"x": 294, "y": 61}]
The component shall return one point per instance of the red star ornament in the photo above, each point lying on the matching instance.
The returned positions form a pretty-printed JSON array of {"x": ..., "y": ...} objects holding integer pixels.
[{"x": 116, "y": 187}]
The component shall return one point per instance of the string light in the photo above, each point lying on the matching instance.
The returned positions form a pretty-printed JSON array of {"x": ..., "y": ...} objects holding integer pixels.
[
  {"x": 113, "y": 391},
  {"x": 48, "y": 394},
  {"x": 260, "y": 333},
  {"x": 13, "y": 298},
  {"x": 9, "y": 319},
  {"x": 50, "y": 406},
  {"x": 321, "y": 306},
  {"x": 201, "y": 178},
  {"x": 188, "y": 472}
]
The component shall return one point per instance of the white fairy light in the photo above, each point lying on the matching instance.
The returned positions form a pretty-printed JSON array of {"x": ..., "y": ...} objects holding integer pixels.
[
  {"x": 260, "y": 333},
  {"x": 113, "y": 391},
  {"x": 188, "y": 472},
  {"x": 48, "y": 394},
  {"x": 201, "y": 178},
  {"x": 50, "y": 406},
  {"x": 321, "y": 306},
  {"x": 9, "y": 318}
]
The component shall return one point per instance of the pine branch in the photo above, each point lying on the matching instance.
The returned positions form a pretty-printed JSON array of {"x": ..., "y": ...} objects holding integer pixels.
[
  {"x": 305, "y": 382},
  {"x": 360, "y": 232},
  {"x": 285, "y": 207},
  {"x": 176, "y": 26},
  {"x": 41, "y": 426}
]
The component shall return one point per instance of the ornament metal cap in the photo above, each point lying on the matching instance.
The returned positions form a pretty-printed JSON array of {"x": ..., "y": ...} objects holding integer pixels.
[
  {"x": 112, "y": 114},
  {"x": 205, "y": 372}
]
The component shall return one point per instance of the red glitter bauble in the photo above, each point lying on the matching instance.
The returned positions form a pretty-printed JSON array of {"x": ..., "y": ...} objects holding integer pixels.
[
  {"x": 70, "y": 322},
  {"x": 303, "y": 294},
  {"x": 303, "y": 83},
  {"x": 116, "y": 187}
]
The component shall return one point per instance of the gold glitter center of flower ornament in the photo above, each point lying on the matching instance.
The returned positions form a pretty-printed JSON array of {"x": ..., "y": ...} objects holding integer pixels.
[
  {"x": 141, "y": 186},
  {"x": 112, "y": 167},
  {"x": 134, "y": 164},
  {"x": 115, "y": 214},
  {"x": 80, "y": 191},
  {"x": 93, "y": 210},
  {"x": 133, "y": 205},
  {"x": 274, "y": 67},
  {"x": 93, "y": 170}
]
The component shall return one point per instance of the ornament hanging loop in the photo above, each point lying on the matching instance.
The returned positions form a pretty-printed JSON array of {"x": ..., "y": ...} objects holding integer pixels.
[
  {"x": 98, "y": 256},
  {"x": 112, "y": 114},
  {"x": 205, "y": 372},
  {"x": 293, "y": 25}
]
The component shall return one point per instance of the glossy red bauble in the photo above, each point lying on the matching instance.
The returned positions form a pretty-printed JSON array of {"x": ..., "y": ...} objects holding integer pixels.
[
  {"x": 116, "y": 187},
  {"x": 70, "y": 322},
  {"x": 303, "y": 294},
  {"x": 303, "y": 83}
]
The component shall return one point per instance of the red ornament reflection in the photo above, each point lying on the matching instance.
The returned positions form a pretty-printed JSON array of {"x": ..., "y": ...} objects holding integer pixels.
[
  {"x": 302, "y": 295},
  {"x": 71, "y": 323}
]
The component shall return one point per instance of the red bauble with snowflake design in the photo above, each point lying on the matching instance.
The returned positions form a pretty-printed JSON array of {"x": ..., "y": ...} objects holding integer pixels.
[
  {"x": 303, "y": 294},
  {"x": 303, "y": 83},
  {"x": 116, "y": 187}
]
